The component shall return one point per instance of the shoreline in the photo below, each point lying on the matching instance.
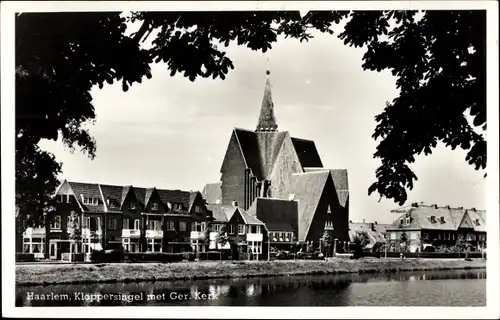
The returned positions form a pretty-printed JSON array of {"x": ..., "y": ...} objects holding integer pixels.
[{"x": 63, "y": 274}]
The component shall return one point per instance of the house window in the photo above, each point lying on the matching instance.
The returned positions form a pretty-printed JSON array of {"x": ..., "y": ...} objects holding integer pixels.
[
  {"x": 113, "y": 224},
  {"x": 154, "y": 206},
  {"x": 171, "y": 225},
  {"x": 193, "y": 226},
  {"x": 56, "y": 223},
  {"x": 258, "y": 229},
  {"x": 137, "y": 224},
  {"x": 182, "y": 226},
  {"x": 197, "y": 208},
  {"x": 413, "y": 236},
  {"x": 393, "y": 236},
  {"x": 453, "y": 236},
  {"x": 132, "y": 205},
  {"x": 241, "y": 229},
  {"x": 439, "y": 235},
  {"x": 231, "y": 229},
  {"x": 203, "y": 226},
  {"x": 125, "y": 223},
  {"x": 408, "y": 221},
  {"x": 90, "y": 200}
]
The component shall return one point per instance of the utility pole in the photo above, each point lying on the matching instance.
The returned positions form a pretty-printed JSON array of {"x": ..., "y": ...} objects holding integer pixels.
[{"x": 386, "y": 244}]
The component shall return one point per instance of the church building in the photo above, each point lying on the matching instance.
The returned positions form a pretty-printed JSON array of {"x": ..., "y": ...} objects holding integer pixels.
[{"x": 281, "y": 182}]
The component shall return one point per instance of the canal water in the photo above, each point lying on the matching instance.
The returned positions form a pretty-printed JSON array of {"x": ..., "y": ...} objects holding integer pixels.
[{"x": 436, "y": 288}]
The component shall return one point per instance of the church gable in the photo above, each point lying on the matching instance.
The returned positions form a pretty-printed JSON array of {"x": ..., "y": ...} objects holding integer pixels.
[
  {"x": 286, "y": 163},
  {"x": 328, "y": 209},
  {"x": 307, "y": 189},
  {"x": 233, "y": 172}
]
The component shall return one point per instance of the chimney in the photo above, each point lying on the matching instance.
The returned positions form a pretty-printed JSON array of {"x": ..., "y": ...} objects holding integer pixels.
[
  {"x": 447, "y": 206},
  {"x": 473, "y": 209},
  {"x": 235, "y": 204},
  {"x": 372, "y": 226},
  {"x": 291, "y": 196},
  {"x": 363, "y": 220},
  {"x": 442, "y": 219},
  {"x": 435, "y": 206},
  {"x": 376, "y": 222},
  {"x": 414, "y": 205}
]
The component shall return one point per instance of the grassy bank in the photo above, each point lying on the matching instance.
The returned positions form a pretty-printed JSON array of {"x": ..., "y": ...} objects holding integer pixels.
[{"x": 132, "y": 272}]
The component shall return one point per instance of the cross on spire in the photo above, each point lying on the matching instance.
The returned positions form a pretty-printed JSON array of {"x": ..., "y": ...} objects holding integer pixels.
[{"x": 267, "y": 119}]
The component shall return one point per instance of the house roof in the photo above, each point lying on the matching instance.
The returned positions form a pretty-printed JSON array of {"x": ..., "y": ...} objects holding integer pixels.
[
  {"x": 278, "y": 215},
  {"x": 478, "y": 218},
  {"x": 119, "y": 193},
  {"x": 113, "y": 193},
  {"x": 212, "y": 192},
  {"x": 374, "y": 231},
  {"x": 175, "y": 196},
  {"x": 248, "y": 218},
  {"x": 307, "y": 189},
  {"x": 445, "y": 218},
  {"x": 90, "y": 190}
]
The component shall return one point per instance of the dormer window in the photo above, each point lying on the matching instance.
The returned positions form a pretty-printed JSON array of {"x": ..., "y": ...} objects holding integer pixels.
[
  {"x": 90, "y": 200},
  {"x": 442, "y": 220},
  {"x": 477, "y": 222},
  {"x": 132, "y": 205},
  {"x": 408, "y": 221},
  {"x": 433, "y": 219},
  {"x": 154, "y": 206}
]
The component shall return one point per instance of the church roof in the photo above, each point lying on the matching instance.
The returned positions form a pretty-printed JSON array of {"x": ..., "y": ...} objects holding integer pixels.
[
  {"x": 267, "y": 119},
  {"x": 212, "y": 192},
  {"x": 307, "y": 153},
  {"x": 307, "y": 189},
  {"x": 340, "y": 181},
  {"x": 261, "y": 149},
  {"x": 278, "y": 215}
]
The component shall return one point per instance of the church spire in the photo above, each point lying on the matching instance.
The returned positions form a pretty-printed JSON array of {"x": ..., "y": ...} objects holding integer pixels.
[{"x": 267, "y": 120}]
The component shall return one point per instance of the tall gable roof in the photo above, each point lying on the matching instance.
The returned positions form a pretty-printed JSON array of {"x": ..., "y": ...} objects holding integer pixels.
[
  {"x": 307, "y": 153},
  {"x": 278, "y": 215},
  {"x": 340, "y": 180},
  {"x": 307, "y": 189},
  {"x": 125, "y": 192},
  {"x": 212, "y": 192}
]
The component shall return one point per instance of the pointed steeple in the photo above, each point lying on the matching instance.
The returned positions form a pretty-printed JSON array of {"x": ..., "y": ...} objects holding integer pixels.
[{"x": 267, "y": 120}]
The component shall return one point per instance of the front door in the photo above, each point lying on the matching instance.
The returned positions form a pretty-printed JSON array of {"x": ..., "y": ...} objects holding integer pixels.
[{"x": 53, "y": 250}]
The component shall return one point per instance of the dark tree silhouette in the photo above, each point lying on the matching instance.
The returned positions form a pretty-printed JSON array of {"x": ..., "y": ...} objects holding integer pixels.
[{"x": 439, "y": 61}]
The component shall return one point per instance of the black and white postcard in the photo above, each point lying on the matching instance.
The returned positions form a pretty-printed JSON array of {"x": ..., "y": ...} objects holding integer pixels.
[{"x": 212, "y": 158}]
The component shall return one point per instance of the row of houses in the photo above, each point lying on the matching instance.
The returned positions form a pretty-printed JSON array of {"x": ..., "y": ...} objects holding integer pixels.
[{"x": 426, "y": 225}]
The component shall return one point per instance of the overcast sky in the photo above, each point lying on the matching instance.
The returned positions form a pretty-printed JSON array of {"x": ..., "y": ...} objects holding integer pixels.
[{"x": 171, "y": 133}]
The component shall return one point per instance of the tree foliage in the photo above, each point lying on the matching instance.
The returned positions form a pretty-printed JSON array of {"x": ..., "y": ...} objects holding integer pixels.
[{"x": 438, "y": 59}]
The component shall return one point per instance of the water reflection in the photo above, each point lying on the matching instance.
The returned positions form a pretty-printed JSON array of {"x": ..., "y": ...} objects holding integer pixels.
[{"x": 325, "y": 290}]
